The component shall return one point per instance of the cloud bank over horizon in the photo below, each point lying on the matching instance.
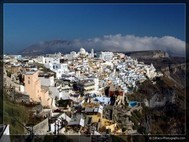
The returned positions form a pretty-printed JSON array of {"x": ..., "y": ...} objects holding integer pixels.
[
  {"x": 115, "y": 43},
  {"x": 118, "y": 42}
]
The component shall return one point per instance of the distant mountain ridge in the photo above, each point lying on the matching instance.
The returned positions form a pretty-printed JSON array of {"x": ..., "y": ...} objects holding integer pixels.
[
  {"x": 49, "y": 47},
  {"x": 66, "y": 46}
]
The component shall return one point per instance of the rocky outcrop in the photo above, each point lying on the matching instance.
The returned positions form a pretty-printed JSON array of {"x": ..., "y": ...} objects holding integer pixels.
[{"x": 153, "y": 54}]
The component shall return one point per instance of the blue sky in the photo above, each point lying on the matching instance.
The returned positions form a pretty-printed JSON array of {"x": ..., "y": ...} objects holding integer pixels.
[{"x": 25, "y": 24}]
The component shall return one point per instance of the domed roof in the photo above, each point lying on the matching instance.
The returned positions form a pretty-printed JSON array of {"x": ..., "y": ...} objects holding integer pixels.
[{"x": 82, "y": 51}]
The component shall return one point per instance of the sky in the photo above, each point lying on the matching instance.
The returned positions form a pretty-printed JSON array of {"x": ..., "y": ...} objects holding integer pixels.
[{"x": 27, "y": 24}]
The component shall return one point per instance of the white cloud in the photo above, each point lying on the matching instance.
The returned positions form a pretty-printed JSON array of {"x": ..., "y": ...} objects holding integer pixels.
[{"x": 135, "y": 43}]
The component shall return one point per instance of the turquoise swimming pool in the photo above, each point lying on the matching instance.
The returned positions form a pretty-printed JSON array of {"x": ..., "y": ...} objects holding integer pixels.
[{"x": 132, "y": 103}]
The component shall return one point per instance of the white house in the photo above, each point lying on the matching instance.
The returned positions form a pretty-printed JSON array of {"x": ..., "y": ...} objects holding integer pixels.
[
  {"x": 58, "y": 68},
  {"x": 52, "y": 60},
  {"x": 151, "y": 72},
  {"x": 96, "y": 81},
  {"x": 107, "y": 56}
]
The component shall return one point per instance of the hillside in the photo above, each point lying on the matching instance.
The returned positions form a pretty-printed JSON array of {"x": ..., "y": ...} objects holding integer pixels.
[
  {"x": 156, "y": 120},
  {"x": 13, "y": 112}
]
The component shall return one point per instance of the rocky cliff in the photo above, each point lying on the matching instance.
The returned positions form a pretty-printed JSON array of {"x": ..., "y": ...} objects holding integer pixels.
[{"x": 155, "y": 54}]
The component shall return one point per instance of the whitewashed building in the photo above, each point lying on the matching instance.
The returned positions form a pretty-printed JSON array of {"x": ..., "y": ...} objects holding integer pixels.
[
  {"x": 58, "y": 68},
  {"x": 151, "y": 72},
  {"x": 52, "y": 60},
  {"x": 107, "y": 56}
]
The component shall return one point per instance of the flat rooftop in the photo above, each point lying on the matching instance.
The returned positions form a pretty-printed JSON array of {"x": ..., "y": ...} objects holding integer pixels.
[{"x": 30, "y": 72}]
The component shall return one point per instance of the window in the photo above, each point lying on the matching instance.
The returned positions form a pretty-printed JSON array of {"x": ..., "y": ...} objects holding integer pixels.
[{"x": 28, "y": 82}]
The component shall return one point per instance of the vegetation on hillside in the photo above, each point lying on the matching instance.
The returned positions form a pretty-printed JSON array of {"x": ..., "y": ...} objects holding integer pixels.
[{"x": 13, "y": 112}]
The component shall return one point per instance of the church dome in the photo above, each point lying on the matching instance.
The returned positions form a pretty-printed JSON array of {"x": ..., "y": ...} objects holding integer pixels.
[{"x": 82, "y": 51}]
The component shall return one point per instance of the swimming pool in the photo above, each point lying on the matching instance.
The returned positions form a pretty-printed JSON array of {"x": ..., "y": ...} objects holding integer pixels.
[{"x": 132, "y": 103}]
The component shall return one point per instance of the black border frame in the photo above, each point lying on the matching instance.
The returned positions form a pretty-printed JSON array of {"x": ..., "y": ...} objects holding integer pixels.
[{"x": 186, "y": 2}]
